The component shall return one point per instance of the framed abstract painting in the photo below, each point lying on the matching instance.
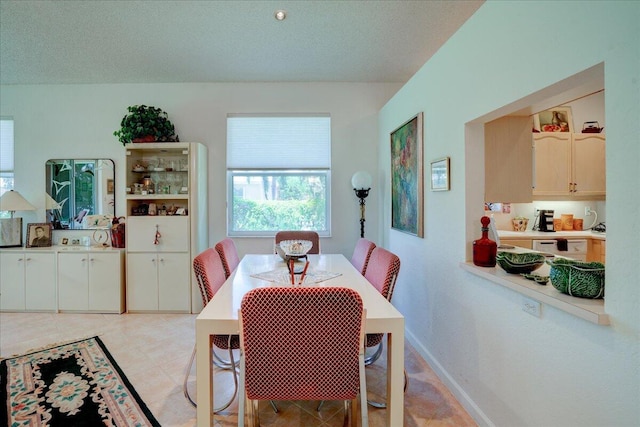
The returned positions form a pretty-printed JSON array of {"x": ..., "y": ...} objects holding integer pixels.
[{"x": 407, "y": 177}]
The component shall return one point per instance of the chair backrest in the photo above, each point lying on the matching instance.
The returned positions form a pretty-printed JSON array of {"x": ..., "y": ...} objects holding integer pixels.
[
  {"x": 302, "y": 343},
  {"x": 209, "y": 272},
  {"x": 361, "y": 254},
  {"x": 228, "y": 254},
  {"x": 382, "y": 271},
  {"x": 301, "y": 235}
]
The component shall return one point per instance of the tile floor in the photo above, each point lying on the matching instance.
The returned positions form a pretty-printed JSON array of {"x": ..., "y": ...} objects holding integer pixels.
[{"x": 154, "y": 349}]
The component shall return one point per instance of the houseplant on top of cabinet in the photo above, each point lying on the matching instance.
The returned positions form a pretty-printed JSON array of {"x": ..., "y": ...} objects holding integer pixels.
[{"x": 145, "y": 124}]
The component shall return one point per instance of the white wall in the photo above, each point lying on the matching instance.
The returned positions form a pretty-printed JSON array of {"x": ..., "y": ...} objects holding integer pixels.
[
  {"x": 507, "y": 367},
  {"x": 78, "y": 121}
]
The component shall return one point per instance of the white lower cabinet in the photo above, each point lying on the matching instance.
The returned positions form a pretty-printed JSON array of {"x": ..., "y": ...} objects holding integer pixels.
[
  {"x": 158, "y": 282},
  {"x": 91, "y": 282},
  {"x": 27, "y": 281}
]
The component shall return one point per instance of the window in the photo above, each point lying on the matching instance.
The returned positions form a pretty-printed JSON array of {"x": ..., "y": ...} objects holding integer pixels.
[
  {"x": 278, "y": 173},
  {"x": 6, "y": 158}
]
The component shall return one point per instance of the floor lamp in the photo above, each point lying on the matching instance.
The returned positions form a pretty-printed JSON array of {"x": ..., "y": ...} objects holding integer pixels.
[
  {"x": 361, "y": 182},
  {"x": 11, "y": 228}
]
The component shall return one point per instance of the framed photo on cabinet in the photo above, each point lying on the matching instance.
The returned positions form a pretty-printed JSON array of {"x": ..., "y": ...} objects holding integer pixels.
[
  {"x": 407, "y": 177},
  {"x": 39, "y": 235}
]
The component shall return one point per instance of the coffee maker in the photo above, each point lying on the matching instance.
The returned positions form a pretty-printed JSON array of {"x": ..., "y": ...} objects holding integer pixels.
[{"x": 545, "y": 221}]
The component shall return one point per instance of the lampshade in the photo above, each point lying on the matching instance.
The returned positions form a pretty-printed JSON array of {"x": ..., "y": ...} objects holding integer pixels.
[
  {"x": 361, "y": 180},
  {"x": 50, "y": 203},
  {"x": 13, "y": 201}
]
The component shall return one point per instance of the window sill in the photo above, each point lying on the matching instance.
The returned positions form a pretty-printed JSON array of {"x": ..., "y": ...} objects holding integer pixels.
[{"x": 591, "y": 310}]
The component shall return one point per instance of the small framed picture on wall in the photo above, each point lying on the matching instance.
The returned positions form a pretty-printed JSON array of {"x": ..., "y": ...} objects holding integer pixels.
[{"x": 440, "y": 174}]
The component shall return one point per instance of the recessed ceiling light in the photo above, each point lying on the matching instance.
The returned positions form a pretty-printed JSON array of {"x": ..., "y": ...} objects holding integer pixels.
[{"x": 280, "y": 15}]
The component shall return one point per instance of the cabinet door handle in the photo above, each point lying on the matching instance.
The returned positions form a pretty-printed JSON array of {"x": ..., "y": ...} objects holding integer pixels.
[
  {"x": 83, "y": 259},
  {"x": 156, "y": 239},
  {"x": 28, "y": 259},
  {"x": 20, "y": 259}
]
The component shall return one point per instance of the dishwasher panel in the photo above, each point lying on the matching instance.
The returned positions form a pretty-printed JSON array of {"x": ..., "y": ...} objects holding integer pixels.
[{"x": 576, "y": 248}]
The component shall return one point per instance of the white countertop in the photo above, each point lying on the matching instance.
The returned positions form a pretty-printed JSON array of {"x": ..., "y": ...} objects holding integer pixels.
[
  {"x": 63, "y": 248},
  {"x": 591, "y": 310},
  {"x": 530, "y": 234}
]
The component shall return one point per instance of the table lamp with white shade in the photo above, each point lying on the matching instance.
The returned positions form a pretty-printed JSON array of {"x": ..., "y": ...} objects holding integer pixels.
[
  {"x": 51, "y": 205},
  {"x": 361, "y": 182},
  {"x": 11, "y": 228}
]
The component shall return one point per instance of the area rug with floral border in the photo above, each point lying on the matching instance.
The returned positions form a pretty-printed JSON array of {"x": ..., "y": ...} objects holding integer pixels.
[{"x": 73, "y": 384}]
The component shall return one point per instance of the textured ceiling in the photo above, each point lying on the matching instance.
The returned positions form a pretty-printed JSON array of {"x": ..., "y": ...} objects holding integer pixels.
[{"x": 52, "y": 42}]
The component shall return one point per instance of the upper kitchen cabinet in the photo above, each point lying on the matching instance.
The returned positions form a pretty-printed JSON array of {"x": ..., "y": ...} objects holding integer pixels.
[
  {"x": 569, "y": 166},
  {"x": 508, "y": 160}
]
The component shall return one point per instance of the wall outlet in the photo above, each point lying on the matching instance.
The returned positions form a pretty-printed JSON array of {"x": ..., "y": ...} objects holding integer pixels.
[
  {"x": 587, "y": 210},
  {"x": 531, "y": 306}
]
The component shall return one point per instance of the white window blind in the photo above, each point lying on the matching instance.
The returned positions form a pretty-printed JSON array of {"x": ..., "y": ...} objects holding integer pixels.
[
  {"x": 278, "y": 141},
  {"x": 6, "y": 145}
]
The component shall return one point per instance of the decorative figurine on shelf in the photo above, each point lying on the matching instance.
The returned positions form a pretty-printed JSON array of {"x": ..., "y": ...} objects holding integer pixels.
[{"x": 485, "y": 249}]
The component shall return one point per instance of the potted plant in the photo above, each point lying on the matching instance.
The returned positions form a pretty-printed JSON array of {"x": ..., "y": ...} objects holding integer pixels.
[{"x": 145, "y": 124}]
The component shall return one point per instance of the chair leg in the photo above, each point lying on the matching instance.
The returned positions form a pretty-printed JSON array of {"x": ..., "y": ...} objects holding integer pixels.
[
  {"x": 383, "y": 405},
  {"x": 242, "y": 399},
  {"x": 185, "y": 389},
  {"x": 368, "y": 360},
  {"x": 364, "y": 415}
]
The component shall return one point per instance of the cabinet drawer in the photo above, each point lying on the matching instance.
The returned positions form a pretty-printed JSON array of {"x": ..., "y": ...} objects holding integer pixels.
[{"x": 174, "y": 234}]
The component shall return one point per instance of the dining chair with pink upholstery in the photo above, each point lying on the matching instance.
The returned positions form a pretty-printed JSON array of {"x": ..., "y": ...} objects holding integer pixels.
[
  {"x": 210, "y": 275},
  {"x": 228, "y": 254},
  {"x": 302, "y": 343},
  {"x": 382, "y": 272},
  {"x": 300, "y": 235},
  {"x": 361, "y": 254}
]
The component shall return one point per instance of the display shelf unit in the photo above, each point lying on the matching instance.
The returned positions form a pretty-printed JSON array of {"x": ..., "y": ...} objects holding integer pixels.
[{"x": 166, "y": 194}]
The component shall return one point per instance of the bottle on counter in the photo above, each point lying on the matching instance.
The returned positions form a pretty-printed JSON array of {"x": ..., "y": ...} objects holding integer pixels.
[{"x": 485, "y": 249}]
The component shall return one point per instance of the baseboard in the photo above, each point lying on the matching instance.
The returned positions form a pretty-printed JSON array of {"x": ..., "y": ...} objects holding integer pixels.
[{"x": 465, "y": 400}]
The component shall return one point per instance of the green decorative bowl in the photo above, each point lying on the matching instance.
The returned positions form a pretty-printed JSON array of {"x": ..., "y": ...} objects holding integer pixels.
[
  {"x": 576, "y": 278},
  {"x": 520, "y": 263}
]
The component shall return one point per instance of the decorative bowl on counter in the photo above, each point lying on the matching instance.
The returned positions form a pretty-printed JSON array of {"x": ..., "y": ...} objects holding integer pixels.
[
  {"x": 515, "y": 263},
  {"x": 288, "y": 249},
  {"x": 577, "y": 278}
]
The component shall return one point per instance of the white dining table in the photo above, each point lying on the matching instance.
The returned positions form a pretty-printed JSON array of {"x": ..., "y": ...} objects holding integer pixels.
[{"x": 220, "y": 316}]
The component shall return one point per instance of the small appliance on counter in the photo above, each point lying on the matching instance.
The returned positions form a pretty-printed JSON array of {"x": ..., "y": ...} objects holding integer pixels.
[{"x": 545, "y": 221}]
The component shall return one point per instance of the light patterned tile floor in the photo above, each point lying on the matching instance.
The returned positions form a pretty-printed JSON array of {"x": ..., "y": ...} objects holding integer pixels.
[{"x": 153, "y": 350}]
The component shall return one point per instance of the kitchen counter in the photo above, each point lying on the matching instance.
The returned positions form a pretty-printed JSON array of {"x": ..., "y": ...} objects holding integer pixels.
[
  {"x": 591, "y": 310},
  {"x": 540, "y": 235}
]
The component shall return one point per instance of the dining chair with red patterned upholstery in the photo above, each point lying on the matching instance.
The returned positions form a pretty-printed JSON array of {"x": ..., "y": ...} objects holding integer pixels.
[
  {"x": 312, "y": 236},
  {"x": 302, "y": 343},
  {"x": 228, "y": 254},
  {"x": 382, "y": 272},
  {"x": 210, "y": 275},
  {"x": 361, "y": 254}
]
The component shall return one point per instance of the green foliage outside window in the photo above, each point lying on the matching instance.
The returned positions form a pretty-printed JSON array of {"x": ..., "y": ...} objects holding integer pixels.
[{"x": 286, "y": 202}]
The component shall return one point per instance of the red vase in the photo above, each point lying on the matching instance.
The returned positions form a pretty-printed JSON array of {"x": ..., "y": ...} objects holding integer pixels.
[{"x": 485, "y": 249}]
